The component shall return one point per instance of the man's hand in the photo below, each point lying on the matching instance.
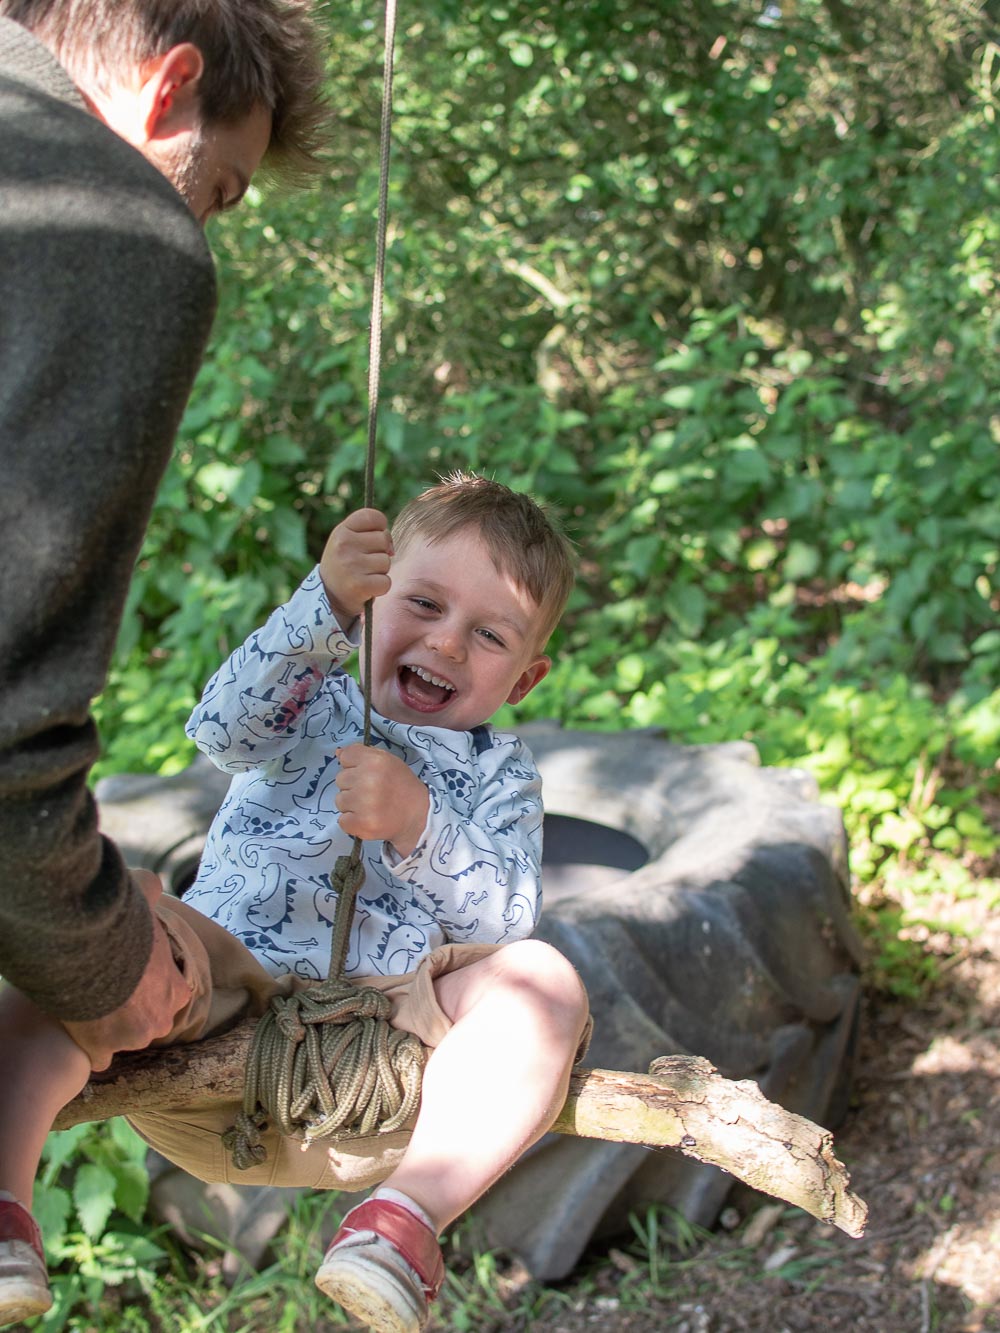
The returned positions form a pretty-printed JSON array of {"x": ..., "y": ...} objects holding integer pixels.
[
  {"x": 380, "y": 797},
  {"x": 150, "y": 1010},
  {"x": 355, "y": 563}
]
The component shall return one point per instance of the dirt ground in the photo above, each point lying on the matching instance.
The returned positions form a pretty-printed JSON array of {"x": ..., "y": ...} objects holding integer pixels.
[{"x": 922, "y": 1144}]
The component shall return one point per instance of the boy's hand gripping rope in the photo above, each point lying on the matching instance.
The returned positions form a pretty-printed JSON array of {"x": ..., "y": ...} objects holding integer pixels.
[{"x": 326, "y": 1060}]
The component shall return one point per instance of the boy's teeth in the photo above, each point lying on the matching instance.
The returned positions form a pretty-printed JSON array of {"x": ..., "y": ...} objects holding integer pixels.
[{"x": 434, "y": 680}]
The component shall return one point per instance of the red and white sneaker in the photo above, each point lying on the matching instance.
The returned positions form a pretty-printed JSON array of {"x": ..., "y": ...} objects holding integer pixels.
[
  {"x": 384, "y": 1266},
  {"x": 24, "y": 1284}
]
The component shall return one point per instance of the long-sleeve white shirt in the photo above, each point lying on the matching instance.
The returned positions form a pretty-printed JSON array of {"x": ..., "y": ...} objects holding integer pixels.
[{"x": 273, "y": 716}]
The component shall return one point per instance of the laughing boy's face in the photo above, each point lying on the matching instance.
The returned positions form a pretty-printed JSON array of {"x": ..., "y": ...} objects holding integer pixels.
[{"x": 454, "y": 638}]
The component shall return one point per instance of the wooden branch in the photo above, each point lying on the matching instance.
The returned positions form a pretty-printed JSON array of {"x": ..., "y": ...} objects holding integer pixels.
[{"x": 682, "y": 1103}]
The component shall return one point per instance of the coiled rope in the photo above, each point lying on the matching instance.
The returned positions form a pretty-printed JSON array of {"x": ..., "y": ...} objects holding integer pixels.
[{"x": 326, "y": 1062}]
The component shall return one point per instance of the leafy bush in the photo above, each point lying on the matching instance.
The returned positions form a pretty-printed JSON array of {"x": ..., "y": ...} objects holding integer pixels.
[{"x": 91, "y": 1213}]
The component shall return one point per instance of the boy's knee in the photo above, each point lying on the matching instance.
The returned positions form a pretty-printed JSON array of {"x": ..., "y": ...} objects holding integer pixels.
[{"x": 538, "y": 968}]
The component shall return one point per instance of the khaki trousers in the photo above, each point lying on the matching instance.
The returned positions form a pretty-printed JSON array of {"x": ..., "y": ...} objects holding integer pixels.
[{"x": 227, "y": 982}]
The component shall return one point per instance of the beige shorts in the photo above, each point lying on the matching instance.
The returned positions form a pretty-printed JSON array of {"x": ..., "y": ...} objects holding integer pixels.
[{"x": 226, "y": 983}]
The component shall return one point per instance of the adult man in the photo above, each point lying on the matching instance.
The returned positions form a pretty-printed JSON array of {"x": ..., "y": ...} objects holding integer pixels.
[{"x": 123, "y": 125}]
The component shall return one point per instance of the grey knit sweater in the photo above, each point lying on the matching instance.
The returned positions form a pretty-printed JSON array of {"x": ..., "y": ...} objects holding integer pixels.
[{"x": 107, "y": 293}]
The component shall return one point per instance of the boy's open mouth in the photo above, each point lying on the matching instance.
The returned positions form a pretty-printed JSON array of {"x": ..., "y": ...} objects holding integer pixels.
[{"x": 422, "y": 690}]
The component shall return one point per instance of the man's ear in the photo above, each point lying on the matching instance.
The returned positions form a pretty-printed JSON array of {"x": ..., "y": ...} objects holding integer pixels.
[
  {"x": 170, "y": 96},
  {"x": 528, "y": 679}
]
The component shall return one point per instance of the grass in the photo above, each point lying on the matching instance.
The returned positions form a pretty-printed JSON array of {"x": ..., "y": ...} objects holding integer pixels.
[{"x": 483, "y": 1289}]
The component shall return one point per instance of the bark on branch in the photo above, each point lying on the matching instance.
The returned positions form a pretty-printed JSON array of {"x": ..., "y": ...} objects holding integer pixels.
[{"x": 682, "y": 1103}]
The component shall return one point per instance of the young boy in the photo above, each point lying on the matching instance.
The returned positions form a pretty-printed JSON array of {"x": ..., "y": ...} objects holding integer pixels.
[{"x": 450, "y": 813}]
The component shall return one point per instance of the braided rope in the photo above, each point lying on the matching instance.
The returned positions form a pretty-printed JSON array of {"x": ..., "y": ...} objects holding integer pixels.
[{"x": 326, "y": 1062}]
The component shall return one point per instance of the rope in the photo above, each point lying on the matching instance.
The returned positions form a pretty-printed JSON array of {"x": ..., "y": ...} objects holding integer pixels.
[{"x": 326, "y": 1062}]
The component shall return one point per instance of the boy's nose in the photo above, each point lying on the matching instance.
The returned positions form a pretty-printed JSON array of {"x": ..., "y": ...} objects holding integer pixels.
[{"x": 447, "y": 641}]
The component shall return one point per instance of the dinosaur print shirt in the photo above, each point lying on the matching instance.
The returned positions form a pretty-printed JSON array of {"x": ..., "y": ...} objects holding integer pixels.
[{"x": 273, "y": 716}]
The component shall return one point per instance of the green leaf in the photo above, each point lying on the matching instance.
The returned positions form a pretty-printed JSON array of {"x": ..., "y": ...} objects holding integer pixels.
[
  {"x": 60, "y": 1147},
  {"x": 281, "y": 450},
  {"x": 801, "y": 562},
  {"x": 899, "y": 832},
  {"x": 760, "y": 553},
  {"x": 51, "y": 1207},
  {"x": 131, "y": 1189},
  {"x": 629, "y": 671},
  {"x": 681, "y": 397},
  {"x": 288, "y": 533},
  {"x": 94, "y": 1197},
  {"x": 947, "y": 647},
  {"x": 640, "y": 552},
  {"x": 128, "y": 1144},
  {"x": 218, "y": 480},
  {"x": 686, "y": 605}
]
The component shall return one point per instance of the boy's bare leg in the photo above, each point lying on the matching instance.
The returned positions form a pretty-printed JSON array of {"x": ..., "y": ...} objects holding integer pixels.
[
  {"x": 41, "y": 1069},
  {"x": 498, "y": 1079}
]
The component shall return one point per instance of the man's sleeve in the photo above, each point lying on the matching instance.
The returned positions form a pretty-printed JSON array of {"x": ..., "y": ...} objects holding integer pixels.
[{"x": 107, "y": 293}]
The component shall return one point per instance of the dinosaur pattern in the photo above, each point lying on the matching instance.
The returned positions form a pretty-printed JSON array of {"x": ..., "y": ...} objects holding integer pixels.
[{"x": 273, "y": 716}]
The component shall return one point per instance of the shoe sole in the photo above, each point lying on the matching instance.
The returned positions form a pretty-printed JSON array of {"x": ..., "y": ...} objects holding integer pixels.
[
  {"x": 355, "y": 1286},
  {"x": 22, "y": 1301}
]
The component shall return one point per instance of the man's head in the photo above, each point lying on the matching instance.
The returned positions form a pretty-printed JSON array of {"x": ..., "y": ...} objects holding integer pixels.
[
  {"x": 205, "y": 89},
  {"x": 480, "y": 576}
]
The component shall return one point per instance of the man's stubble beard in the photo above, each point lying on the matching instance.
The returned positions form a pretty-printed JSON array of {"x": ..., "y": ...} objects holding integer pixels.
[{"x": 181, "y": 166}]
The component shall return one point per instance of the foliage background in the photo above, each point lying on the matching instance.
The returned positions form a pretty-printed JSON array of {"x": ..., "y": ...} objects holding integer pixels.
[{"x": 719, "y": 281}]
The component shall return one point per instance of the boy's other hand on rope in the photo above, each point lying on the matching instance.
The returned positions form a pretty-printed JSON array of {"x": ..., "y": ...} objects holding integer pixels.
[
  {"x": 380, "y": 797},
  {"x": 355, "y": 563}
]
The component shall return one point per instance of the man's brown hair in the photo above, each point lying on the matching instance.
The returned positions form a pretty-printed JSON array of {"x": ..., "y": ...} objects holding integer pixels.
[
  {"x": 256, "y": 52},
  {"x": 523, "y": 538}
]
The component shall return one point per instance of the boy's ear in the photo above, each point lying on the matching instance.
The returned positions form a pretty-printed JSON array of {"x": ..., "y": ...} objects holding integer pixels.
[
  {"x": 170, "y": 95},
  {"x": 529, "y": 678}
]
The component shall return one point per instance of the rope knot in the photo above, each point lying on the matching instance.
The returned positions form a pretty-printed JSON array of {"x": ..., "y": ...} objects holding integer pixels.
[
  {"x": 242, "y": 1140},
  {"x": 372, "y": 1003},
  {"x": 348, "y": 874},
  {"x": 288, "y": 1018},
  {"x": 328, "y": 1062}
]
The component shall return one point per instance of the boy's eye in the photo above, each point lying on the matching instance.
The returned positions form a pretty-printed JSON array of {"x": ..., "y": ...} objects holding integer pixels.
[
  {"x": 491, "y": 637},
  {"x": 423, "y": 603}
]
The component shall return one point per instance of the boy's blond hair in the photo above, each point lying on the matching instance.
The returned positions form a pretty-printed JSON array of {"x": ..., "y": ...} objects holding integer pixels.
[
  {"x": 523, "y": 538},
  {"x": 257, "y": 53}
]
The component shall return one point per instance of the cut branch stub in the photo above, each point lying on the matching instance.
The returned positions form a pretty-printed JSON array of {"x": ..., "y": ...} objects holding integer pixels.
[{"x": 684, "y": 1103}]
